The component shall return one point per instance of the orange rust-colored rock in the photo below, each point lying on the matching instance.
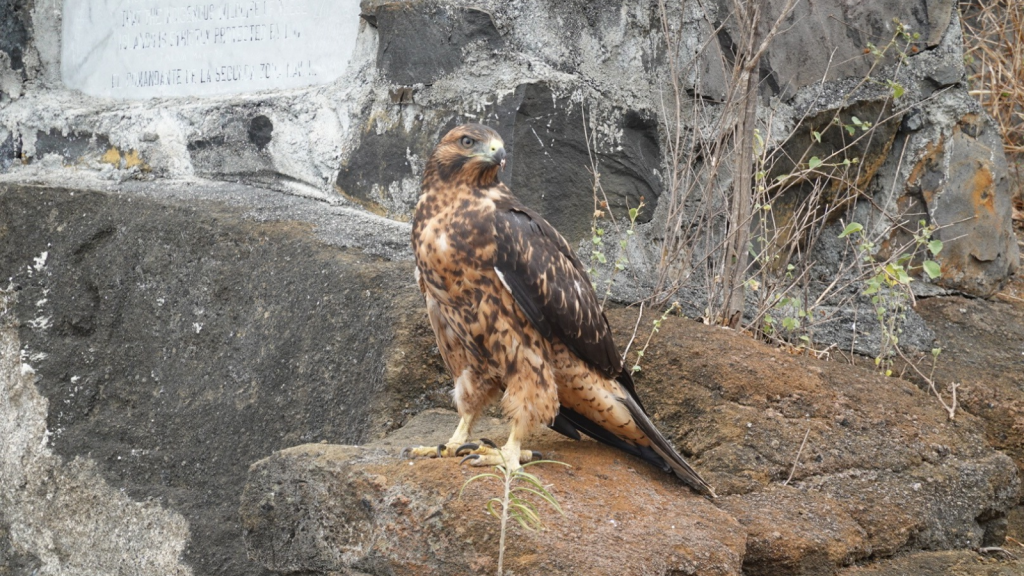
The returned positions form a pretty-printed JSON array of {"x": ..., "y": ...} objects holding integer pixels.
[
  {"x": 329, "y": 508},
  {"x": 880, "y": 452},
  {"x": 796, "y": 531},
  {"x": 943, "y": 563},
  {"x": 883, "y": 471}
]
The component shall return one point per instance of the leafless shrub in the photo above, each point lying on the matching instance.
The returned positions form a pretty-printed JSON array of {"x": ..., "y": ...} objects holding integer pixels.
[
  {"x": 731, "y": 238},
  {"x": 994, "y": 54}
]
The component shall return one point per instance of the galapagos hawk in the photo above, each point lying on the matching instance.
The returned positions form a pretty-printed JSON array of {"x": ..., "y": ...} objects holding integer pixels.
[{"x": 516, "y": 317}]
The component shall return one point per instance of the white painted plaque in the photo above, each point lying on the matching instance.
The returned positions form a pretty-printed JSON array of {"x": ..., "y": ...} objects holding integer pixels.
[{"x": 159, "y": 48}]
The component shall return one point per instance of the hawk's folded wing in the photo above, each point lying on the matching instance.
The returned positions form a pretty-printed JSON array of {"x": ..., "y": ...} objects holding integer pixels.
[{"x": 550, "y": 285}]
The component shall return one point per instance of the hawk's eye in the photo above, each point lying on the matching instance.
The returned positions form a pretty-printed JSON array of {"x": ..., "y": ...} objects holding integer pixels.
[{"x": 466, "y": 141}]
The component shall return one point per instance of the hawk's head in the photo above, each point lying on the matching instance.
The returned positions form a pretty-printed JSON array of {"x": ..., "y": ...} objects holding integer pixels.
[{"x": 471, "y": 153}]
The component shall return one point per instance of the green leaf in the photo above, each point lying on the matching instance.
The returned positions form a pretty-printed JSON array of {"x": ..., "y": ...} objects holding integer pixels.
[
  {"x": 932, "y": 268},
  {"x": 816, "y": 136},
  {"x": 522, "y": 523},
  {"x": 523, "y": 509},
  {"x": 897, "y": 90},
  {"x": 851, "y": 228},
  {"x": 547, "y": 497},
  {"x": 633, "y": 212},
  {"x": 490, "y": 507},
  {"x": 851, "y": 129},
  {"x": 814, "y": 162},
  {"x": 534, "y": 462},
  {"x": 935, "y": 246}
]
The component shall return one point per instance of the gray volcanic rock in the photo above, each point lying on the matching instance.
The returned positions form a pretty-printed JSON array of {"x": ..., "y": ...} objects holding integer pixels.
[
  {"x": 827, "y": 41},
  {"x": 962, "y": 183},
  {"x": 176, "y": 343},
  {"x": 551, "y": 168},
  {"x": 422, "y": 41}
]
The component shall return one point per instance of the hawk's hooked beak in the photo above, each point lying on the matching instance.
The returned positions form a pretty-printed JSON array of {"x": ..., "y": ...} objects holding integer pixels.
[{"x": 497, "y": 153}]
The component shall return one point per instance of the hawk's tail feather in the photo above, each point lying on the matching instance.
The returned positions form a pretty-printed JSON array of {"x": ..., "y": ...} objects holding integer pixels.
[
  {"x": 668, "y": 454},
  {"x": 570, "y": 423}
]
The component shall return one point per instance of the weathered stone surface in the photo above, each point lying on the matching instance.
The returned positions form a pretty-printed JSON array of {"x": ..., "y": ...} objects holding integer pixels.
[
  {"x": 882, "y": 462},
  {"x": 71, "y": 147},
  {"x": 963, "y": 182},
  {"x": 832, "y": 146},
  {"x": 978, "y": 340},
  {"x": 228, "y": 147},
  {"x": 323, "y": 508},
  {"x": 9, "y": 152},
  {"x": 822, "y": 537},
  {"x": 798, "y": 57},
  {"x": 381, "y": 174},
  {"x": 58, "y": 516},
  {"x": 421, "y": 41},
  {"x": 946, "y": 563},
  {"x": 883, "y": 469},
  {"x": 13, "y": 30},
  {"x": 177, "y": 342},
  {"x": 550, "y": 166},
  {"x": 14, "y": 39}
]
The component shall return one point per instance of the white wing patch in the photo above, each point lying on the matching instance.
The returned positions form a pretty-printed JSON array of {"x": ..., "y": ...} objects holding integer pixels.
[
  {"x": 503, "y": 282},
  {"x": 442, "y": 242}
]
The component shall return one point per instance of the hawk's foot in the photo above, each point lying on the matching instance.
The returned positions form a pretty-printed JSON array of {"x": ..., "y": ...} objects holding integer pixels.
[
  {"x": 449, "y": 450},
  {"x": 440, "y": 451},
  {"x": 486, "y": 453}
]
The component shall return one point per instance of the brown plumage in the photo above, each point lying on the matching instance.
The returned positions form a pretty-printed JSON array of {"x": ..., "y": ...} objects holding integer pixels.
[{"x": 516, "y": 316}]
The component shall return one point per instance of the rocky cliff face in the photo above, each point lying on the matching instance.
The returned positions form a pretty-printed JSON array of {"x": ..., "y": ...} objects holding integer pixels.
[
  {"x": 571, "y": 86},
  {"x": 138, "y": 395},
  {"x": 193, "y": 285}
]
